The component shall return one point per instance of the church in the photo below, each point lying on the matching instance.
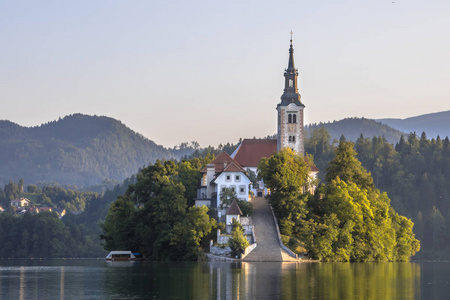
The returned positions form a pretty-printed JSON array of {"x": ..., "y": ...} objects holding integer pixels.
[{"x": 232, "y": 172}]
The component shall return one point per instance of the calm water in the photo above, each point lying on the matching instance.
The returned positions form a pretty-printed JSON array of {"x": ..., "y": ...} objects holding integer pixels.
[{"x": 98, "y": 279}]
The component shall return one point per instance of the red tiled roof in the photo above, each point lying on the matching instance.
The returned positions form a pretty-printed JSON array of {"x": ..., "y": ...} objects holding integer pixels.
[
  {"x": 224, "y": 162},
  {"x": 234, "y": 167},
  {"x": 314, "y": 169},
  {"x": 251, "y": 151},
  {"x": 234, "y": 209}
]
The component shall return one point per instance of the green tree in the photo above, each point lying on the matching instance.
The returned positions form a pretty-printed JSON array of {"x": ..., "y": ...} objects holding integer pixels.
[
  {"x": 246, "y": 207},
  {"x": 32, "y": 188},
  {"x": 284, "y": 172},
  {"x": 11, "y": 191},
  {"x": 253, "y": 178},
  {"x": 227, "y": 196},
  {"x": 319, "y": 237},
  {"x": 21, "y": 184},
  {"x": 189, "y": 175},
  {"x": 286, "y": 175},
  {"x": 347, "y": 167},
  {"x": 238, "y": 242},
  {"x": 188, "y": 234},
  {"x": 438, "y": 227},
  {"x": 119, "y": 227}
]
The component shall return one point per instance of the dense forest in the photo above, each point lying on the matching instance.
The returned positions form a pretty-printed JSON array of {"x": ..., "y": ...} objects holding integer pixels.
[
  {"x": 46, "y": 234},
  {"x": 414, "y": 173}
]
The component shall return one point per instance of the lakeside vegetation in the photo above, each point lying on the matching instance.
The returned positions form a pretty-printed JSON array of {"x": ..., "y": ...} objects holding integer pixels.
[
  {"x": 415, "y": 174},
  {"x": 347, "y": 220},
  {"x": 154, "y": 218}
]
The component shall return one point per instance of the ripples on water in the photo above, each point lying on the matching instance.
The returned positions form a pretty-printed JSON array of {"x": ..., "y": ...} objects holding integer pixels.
[{"x": 98, "y": 279}]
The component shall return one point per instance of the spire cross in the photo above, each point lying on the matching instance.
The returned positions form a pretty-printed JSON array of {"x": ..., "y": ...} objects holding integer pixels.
[{"x": 291, "y": 36}]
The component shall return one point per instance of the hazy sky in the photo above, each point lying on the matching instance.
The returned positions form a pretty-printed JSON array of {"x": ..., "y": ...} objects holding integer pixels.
[{"x": 212, "y": 71}]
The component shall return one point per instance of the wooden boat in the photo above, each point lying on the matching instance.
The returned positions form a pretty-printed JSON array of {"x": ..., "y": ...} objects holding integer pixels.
[{"x": 123, "y": 256}]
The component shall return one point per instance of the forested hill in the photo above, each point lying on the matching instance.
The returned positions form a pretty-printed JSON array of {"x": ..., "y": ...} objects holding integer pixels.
[
  {"x": 352, "y": 128},
  {"x": 77, "y": 150},
  {"x": 433, "y": 124}
]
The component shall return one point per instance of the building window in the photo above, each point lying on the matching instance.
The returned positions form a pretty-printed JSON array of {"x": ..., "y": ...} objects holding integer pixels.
[
  {"x": 233, "y": 188},
  {"x": 294, "y": 118},
  {"x": 237, "y": 178},
  {"x": 293, "y": 139},
  {"x": 290, "y": 139},
  {"x": 289, "y": 118},
  {"x": 242, "y": 189},
  {"x": 228, "y": 178},
  {"x": 291, "y": 83}
]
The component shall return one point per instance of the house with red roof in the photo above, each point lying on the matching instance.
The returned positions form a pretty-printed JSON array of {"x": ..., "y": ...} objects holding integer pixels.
[
  {"x": 223, "y": 172},
  {"x": 233, "y": 212}
]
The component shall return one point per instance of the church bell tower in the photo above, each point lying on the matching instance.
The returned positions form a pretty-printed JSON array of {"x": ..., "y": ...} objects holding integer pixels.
[{"x": 290, "y": 111}]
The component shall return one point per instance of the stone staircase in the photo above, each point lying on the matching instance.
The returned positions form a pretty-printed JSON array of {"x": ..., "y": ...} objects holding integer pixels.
[{"x": 268, "y": 247}]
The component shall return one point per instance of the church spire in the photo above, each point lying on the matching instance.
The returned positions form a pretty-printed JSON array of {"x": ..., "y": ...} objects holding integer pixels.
[
  {"x": 290, "y": 131},
  {"x": 291, "y": 94},
  {"x": 291, "y": 67}
]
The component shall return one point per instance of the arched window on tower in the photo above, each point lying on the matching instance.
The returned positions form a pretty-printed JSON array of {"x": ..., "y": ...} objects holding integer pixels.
[
  {"x": 294, "y": 118},
  {"x": 289, "y": 118},
  {"x": 290, "y": 139},
  {"x": 293, "y": 139}
]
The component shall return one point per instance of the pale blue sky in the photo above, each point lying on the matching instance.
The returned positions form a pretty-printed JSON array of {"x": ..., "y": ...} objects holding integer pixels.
[{"x": 212, "y": 71}]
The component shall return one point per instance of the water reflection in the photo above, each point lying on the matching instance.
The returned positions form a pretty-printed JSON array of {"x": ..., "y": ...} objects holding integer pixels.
[
  {"x": 61, "y": 294},
  {"x": 220, "y": 280},
  {"x": 22, "y": 285},
  {"x": 309, "y": 281}
]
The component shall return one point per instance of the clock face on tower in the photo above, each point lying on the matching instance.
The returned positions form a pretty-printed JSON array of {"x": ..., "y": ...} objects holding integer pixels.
[{"x": 291, "y": 127}]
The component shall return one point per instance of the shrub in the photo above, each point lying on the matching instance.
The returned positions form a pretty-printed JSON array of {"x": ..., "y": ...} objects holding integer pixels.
[{"x": 238, "y": 242}]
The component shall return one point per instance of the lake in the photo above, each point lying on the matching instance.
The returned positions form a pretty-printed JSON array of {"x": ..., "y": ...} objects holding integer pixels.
[{"x": 99, "y": 279}]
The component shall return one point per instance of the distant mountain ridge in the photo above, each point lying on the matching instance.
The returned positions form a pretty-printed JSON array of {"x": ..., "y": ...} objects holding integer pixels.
[
  {"x": 352, "y": 128},
  {"x": 78, "y": 149},
  {"x": 432, "y": 124}
]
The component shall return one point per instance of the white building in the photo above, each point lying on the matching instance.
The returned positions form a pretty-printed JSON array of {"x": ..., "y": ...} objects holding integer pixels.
[
  {"x": 223, "y": 172},
  {"x": 20, "y": 202}
]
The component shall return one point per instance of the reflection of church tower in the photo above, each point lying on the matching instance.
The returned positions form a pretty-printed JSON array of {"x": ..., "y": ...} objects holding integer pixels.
[{"x": 290, "y": 111}]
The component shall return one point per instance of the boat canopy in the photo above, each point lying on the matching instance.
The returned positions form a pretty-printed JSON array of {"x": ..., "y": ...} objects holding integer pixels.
[{"x": 120, "y": 254}]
